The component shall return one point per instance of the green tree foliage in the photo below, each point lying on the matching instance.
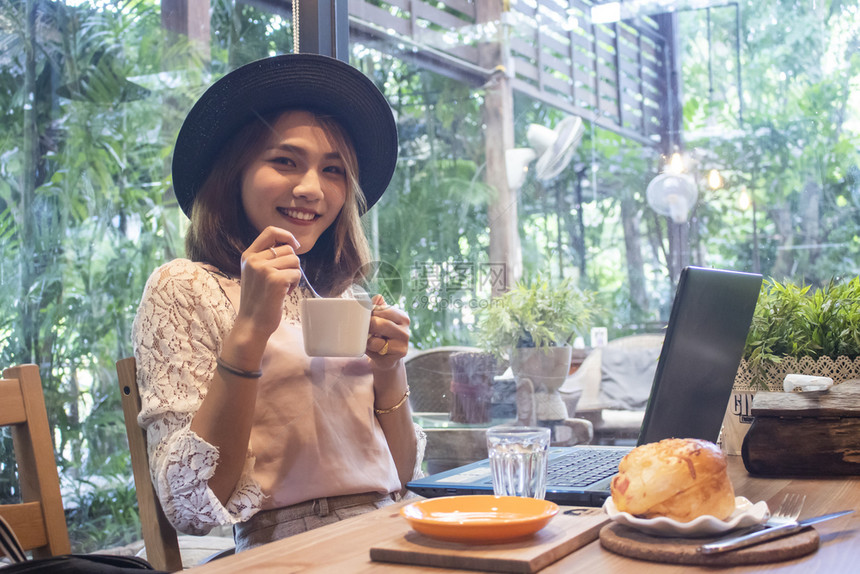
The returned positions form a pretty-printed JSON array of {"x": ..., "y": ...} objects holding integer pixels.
[
  {"x": 82, "y": 193},
  {"x": 93, "y": 93},
  {"x": 432, "y": 223},
  {"x": 86, "y": 213},
  {"x": 794, "y": 152}
]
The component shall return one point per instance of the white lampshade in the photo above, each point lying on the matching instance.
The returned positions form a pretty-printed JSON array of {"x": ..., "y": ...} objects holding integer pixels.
[{"x": 673, "y": 195}]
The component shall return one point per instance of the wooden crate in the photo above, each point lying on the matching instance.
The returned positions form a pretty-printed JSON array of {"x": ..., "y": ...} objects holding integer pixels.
[{"x": 805, "y": 434}]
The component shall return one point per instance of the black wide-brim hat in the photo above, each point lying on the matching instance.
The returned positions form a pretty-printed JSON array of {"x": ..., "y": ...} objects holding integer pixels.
[{"x": 293, "y": 81}]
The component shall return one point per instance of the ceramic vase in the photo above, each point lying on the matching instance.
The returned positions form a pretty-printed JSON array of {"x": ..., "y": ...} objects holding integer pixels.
[{"x": 539, "y": 373}]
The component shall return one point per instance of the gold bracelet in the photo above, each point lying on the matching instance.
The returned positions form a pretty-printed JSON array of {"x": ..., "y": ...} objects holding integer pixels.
[
  {"x": 236, "y": 371},
  {"x": 395, "y": 407}
]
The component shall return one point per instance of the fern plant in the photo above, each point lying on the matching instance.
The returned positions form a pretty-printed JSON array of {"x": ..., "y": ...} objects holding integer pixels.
[
  {"x": 795, "y": 321},
  {"x": 535, "y": 314}
]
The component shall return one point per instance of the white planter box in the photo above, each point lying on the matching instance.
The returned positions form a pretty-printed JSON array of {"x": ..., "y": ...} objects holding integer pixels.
[
  {"x": 839, "y": 369},
  {"x": 738, "y": 419}
]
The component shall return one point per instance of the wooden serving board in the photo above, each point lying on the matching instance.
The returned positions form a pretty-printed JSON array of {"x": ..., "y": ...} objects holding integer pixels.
[
  {"x": 572, "y": 528},
  {"x": 629, "y": 542}
]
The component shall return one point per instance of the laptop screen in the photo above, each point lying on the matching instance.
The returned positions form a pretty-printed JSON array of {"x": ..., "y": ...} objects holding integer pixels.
[{"x": 704, "y": 342}]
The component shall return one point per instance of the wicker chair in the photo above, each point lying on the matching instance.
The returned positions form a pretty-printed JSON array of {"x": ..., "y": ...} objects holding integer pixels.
[{"x": 429, "y": 376}]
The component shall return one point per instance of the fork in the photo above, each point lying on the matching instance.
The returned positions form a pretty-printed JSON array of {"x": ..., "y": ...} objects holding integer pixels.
[
  {"x": 779, "y": 523},
  {"x": 788, "y": 511}
]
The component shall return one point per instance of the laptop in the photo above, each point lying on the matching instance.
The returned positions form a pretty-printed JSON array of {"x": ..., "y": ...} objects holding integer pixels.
[{"x": 704, "y": 342}]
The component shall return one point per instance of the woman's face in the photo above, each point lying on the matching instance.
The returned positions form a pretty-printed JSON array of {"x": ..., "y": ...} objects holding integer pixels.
[{"x": 298, "y": 182}]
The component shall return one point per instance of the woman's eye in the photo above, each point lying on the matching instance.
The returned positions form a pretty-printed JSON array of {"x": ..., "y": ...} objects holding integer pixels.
[
  {"x": 281, "y": 160},
  {"x": 335, "y": 169}
]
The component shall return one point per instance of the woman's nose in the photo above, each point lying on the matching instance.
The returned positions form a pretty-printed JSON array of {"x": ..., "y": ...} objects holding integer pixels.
[{"x": 309, "y": 185}]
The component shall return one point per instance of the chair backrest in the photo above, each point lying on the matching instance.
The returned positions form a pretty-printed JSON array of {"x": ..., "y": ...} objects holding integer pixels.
[
  {"x": 429, "y": 376},
  {"x": 159, "y": 536},
  {"x": 38, "y": 521}
]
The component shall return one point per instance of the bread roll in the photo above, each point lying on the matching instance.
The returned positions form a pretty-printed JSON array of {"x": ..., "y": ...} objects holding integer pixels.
[{"x": 678, "y": 478}]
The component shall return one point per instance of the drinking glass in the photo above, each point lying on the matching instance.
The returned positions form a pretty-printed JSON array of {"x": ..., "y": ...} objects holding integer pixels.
[{"x": 518, "y": 460}]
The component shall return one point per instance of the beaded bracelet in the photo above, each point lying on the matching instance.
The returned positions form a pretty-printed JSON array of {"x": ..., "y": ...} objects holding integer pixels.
[
  {"x": 395, "y": 407},
  {"x": 238, "y": 372}
]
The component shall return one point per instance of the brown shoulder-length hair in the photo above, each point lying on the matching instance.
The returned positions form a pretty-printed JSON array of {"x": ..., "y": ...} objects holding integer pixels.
[{"x": 220, "y": 231}]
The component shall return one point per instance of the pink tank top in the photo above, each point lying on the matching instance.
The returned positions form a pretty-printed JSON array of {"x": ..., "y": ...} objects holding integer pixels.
[{"x": 315, "y": 434}]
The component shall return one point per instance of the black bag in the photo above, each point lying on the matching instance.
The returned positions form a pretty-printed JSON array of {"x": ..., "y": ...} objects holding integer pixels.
[
  {"x": 67, "y": 563},
  {"x": 81, "y": 564}
]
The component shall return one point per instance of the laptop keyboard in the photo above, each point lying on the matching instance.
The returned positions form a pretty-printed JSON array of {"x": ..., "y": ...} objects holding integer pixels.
[{"x": 582, "y": 468}]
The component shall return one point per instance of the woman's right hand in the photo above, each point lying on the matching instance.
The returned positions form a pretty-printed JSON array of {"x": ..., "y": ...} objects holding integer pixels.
[{"x": 270, "y": 270}]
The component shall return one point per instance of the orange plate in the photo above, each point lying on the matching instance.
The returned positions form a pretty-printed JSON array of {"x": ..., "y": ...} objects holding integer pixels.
[{"x": 479, "y": 518}]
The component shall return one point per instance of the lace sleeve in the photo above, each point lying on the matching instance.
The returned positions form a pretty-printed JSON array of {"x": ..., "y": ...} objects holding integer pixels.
[
  {"x": 421, "y": 444},
  {"x": 177, "y": 334}
]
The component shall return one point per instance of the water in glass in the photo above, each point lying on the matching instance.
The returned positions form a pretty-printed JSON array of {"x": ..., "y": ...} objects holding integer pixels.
[{"x": 518, "y": 460}]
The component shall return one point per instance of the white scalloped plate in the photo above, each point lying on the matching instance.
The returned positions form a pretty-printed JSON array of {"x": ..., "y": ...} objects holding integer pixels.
[{"x": 746, "y": 514}]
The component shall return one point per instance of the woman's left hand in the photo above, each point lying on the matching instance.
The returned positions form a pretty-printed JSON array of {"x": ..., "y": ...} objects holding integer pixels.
[{"x": 388, "y": 338}]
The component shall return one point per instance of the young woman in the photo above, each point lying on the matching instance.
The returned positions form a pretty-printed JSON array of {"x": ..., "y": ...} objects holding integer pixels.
[{"x": 274, "y": 166}]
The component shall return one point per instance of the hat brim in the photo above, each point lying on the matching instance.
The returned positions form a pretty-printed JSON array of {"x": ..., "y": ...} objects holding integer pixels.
[{"x": 298, "y": 81}]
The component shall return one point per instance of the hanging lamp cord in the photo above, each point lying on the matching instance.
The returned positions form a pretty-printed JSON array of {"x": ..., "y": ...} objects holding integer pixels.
[{"x": 295, "y": 26}]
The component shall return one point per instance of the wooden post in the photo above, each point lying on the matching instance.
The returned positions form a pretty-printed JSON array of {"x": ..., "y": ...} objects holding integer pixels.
[
  {"x": 324, "y": 28},
  {"x": 671, "y": 110},
  {"x": 499, "y": 136},
  {"x": 189, "y": 18},
  {"x": 183, "y": 18}
]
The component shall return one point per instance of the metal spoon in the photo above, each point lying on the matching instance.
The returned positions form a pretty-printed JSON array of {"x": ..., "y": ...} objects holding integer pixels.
[{"x": 308, "y": 283}]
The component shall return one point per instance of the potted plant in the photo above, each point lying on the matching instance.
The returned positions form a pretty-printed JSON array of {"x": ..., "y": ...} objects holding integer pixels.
[
  {"x": 533, "y": 325},
  {"x": 794, "y": 329}
]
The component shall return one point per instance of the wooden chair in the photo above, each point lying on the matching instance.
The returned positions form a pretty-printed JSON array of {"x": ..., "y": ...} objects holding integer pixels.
[
  {"x": 38, "y": 521},
  {"x": 159, "y": 536},
  {"x": 163, "y": 548}
]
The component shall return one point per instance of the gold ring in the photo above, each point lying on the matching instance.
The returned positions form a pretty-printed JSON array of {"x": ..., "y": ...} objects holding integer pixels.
[
  {"x": 384, "y": 349},
  {"x": 274, "y": 253}
]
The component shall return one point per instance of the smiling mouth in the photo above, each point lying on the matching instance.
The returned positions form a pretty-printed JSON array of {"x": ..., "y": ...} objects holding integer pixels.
[{"x": 300, "y": 215}]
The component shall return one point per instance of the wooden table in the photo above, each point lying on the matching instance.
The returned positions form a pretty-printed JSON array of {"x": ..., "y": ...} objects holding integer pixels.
[{"x": 343, "y": 547}]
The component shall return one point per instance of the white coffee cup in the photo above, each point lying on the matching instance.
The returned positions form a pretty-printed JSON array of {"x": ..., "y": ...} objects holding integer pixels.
[{"x": 334, "y": 327}]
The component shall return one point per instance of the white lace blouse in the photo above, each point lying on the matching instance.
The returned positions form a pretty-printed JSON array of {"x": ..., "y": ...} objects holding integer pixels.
[{"x": 184, "y": 316}]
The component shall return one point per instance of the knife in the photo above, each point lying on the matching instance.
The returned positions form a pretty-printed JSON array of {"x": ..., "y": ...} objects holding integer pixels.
[{"x": 735, "y": 542}]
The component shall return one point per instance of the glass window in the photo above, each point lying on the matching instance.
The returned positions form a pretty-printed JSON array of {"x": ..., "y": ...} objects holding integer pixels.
[{"x": 722, "y": 135}]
